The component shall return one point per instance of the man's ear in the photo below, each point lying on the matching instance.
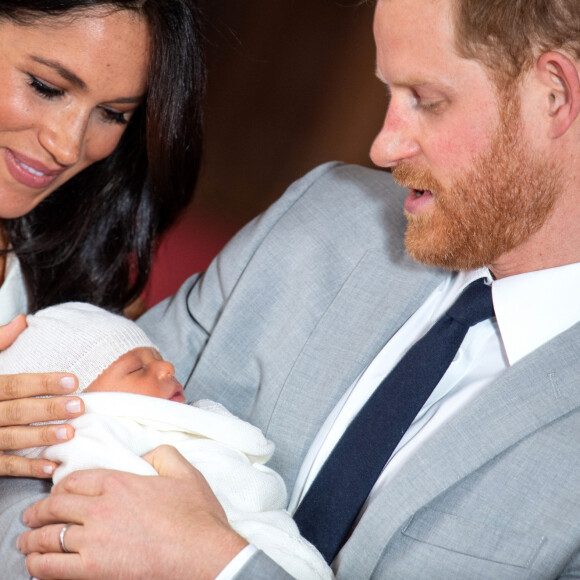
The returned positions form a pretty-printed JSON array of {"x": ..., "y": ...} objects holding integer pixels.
[{"x": 560, "y": 80}]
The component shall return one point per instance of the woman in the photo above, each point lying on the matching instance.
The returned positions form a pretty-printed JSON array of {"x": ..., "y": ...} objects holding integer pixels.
[{"x": 100, "y": 144}]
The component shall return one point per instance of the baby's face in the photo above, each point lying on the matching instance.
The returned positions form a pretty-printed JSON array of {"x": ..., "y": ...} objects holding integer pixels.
[{"x": 142, "y": 371}]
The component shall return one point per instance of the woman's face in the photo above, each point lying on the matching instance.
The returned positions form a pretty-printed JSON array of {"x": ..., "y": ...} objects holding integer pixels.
[{"x": 68, "y": 86}]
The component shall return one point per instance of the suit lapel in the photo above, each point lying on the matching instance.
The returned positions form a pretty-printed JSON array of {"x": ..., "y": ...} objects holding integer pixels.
[
  {"x": 538, "y": 390},
  {"x": 372, "y": 304}
]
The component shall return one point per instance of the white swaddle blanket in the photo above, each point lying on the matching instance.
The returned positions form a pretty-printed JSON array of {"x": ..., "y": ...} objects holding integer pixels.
[{"x": 117, "y": 428}]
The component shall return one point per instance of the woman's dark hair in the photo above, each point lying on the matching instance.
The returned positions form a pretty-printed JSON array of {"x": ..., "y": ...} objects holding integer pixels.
[{"x": 93, "y": 238}]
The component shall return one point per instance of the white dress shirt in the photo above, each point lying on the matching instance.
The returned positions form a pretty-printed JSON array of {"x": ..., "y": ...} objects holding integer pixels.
[{"x": 530, "y": 309}]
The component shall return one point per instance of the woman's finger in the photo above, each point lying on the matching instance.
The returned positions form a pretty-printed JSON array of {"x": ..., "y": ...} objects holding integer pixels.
[
  {"x": 9, "y": 332},
  {"x": 14, "y": 438},
  {"x": 36, "y": 410},
  {"x": 17, "y": 466},
  {"x": 17, "y": 433},
  {"x": 31, "y": 385}
]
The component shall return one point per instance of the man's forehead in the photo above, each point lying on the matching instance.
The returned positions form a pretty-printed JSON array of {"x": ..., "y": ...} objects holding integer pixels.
[
  {"x": 414, "y": 38},
  {"x": 417, "y": 11},
  {"x": 442, "y": 4}
]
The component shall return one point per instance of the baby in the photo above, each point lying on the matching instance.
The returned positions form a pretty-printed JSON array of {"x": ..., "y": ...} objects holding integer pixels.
[{"x": 134, "y": 403}]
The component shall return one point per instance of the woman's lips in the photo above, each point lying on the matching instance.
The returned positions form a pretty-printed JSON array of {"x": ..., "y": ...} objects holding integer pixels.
[
  {"x": 28, "y": 171},
  {"x": 418, "y": 200}
]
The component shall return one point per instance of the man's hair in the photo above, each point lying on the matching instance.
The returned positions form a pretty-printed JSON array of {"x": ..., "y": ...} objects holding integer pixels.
[{"x": 507, "y": 36}]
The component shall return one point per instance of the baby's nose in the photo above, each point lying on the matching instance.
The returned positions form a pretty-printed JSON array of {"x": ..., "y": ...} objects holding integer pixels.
[{"x": 164, "y": 368}]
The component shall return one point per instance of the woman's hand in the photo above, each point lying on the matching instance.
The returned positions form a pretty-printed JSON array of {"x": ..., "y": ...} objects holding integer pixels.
[{"x": 19, "y": 408}]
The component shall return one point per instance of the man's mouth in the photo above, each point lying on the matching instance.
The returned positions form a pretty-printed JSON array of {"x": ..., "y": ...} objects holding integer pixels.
[
  {"x": 418, "y": 200},
  {"x": 420, "y": 192}
]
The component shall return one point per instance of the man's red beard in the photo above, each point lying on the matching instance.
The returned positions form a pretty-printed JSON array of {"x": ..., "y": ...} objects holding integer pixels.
[{"x": 488, "y": 210}]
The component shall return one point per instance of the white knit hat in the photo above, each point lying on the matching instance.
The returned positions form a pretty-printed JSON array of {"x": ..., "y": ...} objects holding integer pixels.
[{"x": 76, "y": 338}]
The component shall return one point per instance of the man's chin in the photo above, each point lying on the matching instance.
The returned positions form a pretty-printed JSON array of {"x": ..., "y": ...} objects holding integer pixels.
[{"x": 435, "y": 247}]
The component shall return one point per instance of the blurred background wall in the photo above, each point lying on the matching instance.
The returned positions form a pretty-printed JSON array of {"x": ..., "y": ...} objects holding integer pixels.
[{"x": 290, "y": 85}]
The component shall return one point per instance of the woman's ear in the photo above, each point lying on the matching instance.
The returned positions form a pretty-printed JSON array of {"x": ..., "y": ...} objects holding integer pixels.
[{"x": 560, "y": 81}]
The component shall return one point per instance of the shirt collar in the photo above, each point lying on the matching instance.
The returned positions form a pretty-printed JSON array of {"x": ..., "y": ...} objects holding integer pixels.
[
  {"x": 534, "y": 307},
  {"x": 450, "y": 289}
]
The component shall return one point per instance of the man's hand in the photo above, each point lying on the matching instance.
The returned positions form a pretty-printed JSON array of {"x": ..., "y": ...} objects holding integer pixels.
[
  {"x": 131, "y": 526},
  {"x": 19, "y": 408}
]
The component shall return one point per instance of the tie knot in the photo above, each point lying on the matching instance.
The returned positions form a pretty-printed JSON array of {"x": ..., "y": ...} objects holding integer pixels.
[{"x": 473, "y": 305}]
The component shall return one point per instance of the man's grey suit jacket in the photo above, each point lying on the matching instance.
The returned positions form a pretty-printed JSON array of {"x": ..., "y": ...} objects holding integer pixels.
[{"x": 287, "y": 317}]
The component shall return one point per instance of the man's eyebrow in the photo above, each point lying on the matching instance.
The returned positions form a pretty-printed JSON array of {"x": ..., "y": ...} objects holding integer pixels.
[
  {"x": 412, "y": 81},
  {"x": 62, "y": 71}
]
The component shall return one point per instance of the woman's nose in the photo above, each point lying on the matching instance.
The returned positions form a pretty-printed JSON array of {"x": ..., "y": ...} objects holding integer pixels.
[{"x": 63, "y": 137}]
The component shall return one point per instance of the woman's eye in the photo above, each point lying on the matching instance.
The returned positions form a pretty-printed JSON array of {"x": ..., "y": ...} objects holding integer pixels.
[
  {"x": 43, "y": 89},
  {"x": 111, "y": 116}
]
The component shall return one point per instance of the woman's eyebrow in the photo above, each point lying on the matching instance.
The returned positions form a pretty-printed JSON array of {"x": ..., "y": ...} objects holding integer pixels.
[
  {"x": 62, "y": 71},
  {"x": 129, "y": 100},
  {"x": 75, "y": 80}
]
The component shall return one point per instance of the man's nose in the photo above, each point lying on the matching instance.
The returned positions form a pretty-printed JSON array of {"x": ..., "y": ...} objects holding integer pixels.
[{"x": 396, "y": 140}]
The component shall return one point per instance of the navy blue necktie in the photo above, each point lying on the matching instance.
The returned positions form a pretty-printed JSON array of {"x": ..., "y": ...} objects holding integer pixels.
[{"x": 330, "y": 507}]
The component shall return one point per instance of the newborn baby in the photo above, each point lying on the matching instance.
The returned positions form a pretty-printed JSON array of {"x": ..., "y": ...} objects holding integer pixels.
[
  {"x": 134, "y": 403},
  {"x": 140, "y": 371}
]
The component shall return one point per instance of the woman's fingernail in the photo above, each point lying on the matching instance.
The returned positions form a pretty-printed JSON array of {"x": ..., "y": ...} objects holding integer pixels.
[
  {"x": 49, "y": 469},
  {"x": 61, "y": 433},
  {"x": 73, "y": 406},
  {"x": 68, "y": 383}
]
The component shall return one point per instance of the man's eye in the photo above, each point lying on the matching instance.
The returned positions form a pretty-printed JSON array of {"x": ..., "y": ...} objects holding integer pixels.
[
  {"x": 431, "y": 106},
  {"x": 43, "y": 89}
]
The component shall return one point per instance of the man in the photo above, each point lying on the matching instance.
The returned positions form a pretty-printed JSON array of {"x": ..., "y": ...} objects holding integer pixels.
[{"x": 303, "y": 314}]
